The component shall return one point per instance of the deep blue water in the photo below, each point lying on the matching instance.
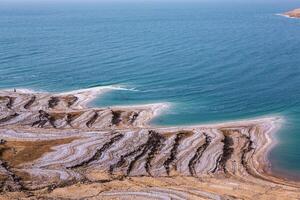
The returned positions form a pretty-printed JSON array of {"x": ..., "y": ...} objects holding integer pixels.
[{"x": 214, "y": 61}]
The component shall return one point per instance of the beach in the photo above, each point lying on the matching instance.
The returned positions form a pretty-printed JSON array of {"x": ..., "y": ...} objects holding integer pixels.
[{"x": 57, "y": 146}]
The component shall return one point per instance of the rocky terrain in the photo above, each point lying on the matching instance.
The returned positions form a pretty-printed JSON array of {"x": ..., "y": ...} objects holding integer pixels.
[
  {"x": 53, "y": 146},
  {"x": 294, "y": 13}
]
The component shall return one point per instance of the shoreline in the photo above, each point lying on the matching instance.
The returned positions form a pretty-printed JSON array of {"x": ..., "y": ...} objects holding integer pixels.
[
  {"x": 294, "y": 14},
  {"x": 287, "y": 16},
  {"x": 70, "y": 134}
]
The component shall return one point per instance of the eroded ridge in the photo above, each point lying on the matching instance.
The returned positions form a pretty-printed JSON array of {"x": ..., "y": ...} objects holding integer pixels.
[
  {"x": 53, "y": 146},
  {"x": 68, "y": 110}
]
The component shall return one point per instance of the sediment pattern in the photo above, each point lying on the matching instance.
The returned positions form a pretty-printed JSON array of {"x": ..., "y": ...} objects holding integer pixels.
[{"x": 53, "y": 146}]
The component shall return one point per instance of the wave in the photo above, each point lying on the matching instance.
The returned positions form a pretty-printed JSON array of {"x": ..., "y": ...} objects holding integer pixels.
[
  {"x": 112, "y": 87},
  {"x": 116, "y": 87}
]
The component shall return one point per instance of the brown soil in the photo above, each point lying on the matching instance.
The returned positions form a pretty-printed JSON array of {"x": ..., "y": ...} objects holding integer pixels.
[{"x": 20, "y": 152}]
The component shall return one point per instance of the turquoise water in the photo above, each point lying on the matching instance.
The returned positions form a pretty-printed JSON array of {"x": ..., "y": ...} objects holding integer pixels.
[{"x": 214, "y": 61}]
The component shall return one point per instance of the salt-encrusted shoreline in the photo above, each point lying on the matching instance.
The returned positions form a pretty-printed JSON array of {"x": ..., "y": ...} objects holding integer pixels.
[
  {"x": 292, "y": 14},
  {"x": 54, "y": 146}
]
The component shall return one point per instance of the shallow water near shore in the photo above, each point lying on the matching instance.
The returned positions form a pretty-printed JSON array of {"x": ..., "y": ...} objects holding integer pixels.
[{"x": 212, "y": 61}]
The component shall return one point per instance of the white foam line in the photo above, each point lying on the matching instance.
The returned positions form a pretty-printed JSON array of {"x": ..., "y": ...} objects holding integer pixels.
[
  {"x": 21, "y": 90},
  {"x": 287, "y": 16},
  {"x": 274, "y": 119},
  {"x": 98, "y": 89}
]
